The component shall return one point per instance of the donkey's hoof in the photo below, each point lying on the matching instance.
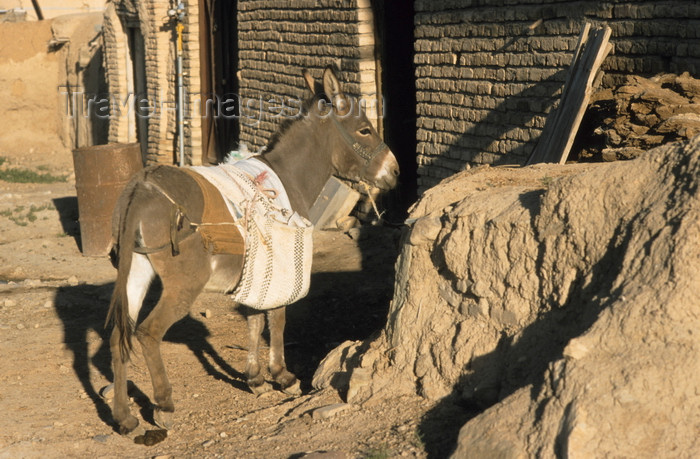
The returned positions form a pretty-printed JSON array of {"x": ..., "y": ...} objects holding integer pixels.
[
  {"x": 131, "y": 428},
  {"x": 260, "y": 389},
  {"x": 163, "y": 419},
  {"x": 107, "y": 392},
  {"x": 137, "y": 432},
  {"x": 294, "y": 389}
]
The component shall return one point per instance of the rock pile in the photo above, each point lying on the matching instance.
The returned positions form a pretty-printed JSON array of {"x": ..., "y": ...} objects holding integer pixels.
[{"x": 638, "y": 115}]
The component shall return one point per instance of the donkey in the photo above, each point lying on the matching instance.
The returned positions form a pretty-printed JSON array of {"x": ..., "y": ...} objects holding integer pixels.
[{"x": 328, "y": 138}]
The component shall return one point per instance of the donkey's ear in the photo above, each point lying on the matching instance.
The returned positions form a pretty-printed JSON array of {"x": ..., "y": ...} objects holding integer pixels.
[
  {"x": 310, "y": 82},
  {"x": 331, "y": 86}
]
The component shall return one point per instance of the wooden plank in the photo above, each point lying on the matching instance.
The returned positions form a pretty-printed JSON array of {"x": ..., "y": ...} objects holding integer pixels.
[
  {"x": 335, "y": 202},
  {"x": 563, "y": 123},
  {"x": 582, "y": 92}
]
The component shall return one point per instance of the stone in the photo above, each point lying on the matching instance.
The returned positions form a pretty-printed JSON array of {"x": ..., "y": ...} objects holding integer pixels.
[
  {"x": 326, "y": 455},
  {"x": 425, "y": 230},
  {"x": 329, "y": 411}
]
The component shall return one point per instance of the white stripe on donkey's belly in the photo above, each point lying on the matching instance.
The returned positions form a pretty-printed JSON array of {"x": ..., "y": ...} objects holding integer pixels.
[{"x": 140, "y": 276}]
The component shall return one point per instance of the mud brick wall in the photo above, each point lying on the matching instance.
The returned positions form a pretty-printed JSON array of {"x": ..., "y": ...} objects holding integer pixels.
[
  {"x": 114, "y": 54},
  {"x": 156, "y": 127},
  {"x": 278, "y": 38},
  {"x": 487, "y": 76}
]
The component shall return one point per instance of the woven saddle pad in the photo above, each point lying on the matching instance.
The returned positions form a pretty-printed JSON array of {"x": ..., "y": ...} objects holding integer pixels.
[{"x": 218, "y": 229}]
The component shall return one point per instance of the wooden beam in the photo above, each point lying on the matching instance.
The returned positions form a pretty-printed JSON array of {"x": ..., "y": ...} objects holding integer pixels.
[
  {"x": 562, "y": 124},
  {"x": 37, "y": 9}
]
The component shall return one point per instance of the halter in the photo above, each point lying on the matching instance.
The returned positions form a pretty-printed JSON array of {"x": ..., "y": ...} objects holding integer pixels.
[{"x": 359, "y": 149}]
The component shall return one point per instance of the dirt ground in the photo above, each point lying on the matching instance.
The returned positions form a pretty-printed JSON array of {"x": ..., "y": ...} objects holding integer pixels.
[{"x": 55, "y": 355}]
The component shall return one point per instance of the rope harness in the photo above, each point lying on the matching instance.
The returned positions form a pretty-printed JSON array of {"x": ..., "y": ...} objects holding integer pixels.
[
  {"x": 179, "y": 218},
  {"x": 366, "y": 153},
  {"x": 179, "y": 221}
]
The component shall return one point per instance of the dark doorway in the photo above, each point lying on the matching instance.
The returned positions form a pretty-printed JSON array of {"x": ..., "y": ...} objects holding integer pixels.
[
  {"x": 137, "y": 85},
  {"x": 394, "y": 32},
  {"x": 218, "y": 67}
]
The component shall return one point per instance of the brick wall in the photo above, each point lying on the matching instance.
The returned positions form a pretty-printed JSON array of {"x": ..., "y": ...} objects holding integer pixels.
[
  {"x": 115, "y": 49},
  {"x": 278, "y": 38},
  {"x": 486, "y": 76},
  {"x": 158, "y": 125}
]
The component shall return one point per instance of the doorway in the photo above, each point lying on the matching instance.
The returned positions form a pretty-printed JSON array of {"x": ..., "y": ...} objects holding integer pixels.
[
  {"x": 394, "y": 42},
  {"x": 218, "y": 35}
]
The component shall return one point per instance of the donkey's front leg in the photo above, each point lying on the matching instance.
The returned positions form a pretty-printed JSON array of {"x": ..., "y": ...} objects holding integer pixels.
[
  {"x": 254, "y": 377},
  {"x": 276, "y": 320}
]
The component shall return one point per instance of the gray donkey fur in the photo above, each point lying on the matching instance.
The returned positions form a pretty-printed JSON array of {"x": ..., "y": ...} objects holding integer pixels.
[{"x": 330, "y": 138}]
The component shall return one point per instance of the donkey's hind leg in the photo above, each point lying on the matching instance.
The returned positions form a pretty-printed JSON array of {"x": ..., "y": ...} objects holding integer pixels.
[
  {"x": 179, "y": 292},
  {"x": 121, "y": 413},
  {"x": 278, "y": 367},
  {"x": 139, "y": 279}
]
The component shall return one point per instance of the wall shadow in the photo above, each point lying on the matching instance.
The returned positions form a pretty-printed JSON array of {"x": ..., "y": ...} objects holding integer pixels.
[
  {"x": 394, "y": 37},
  {"x": 515, "y": 111}
]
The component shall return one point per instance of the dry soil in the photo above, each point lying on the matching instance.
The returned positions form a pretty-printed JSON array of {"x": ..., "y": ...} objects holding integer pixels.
[{"x": 55, "y": 354}]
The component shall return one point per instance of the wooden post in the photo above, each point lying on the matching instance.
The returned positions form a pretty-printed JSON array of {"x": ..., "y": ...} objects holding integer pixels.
[
  {"x": 37, "y": 9},
  {"x": 563, "y": 123}
]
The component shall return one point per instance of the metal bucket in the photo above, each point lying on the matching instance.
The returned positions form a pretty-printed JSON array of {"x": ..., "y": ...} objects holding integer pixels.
[{"x": 101, "y": 173}]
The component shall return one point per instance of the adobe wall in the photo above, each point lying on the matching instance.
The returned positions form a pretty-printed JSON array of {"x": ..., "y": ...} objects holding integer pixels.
[
  {"x": 53, "y": 8},
  {"x": 277, "y": 40},
  {"x": 486, "y": 76},
  {"x": 28, "y": 82},
  {"x": 43, "y": 74}
]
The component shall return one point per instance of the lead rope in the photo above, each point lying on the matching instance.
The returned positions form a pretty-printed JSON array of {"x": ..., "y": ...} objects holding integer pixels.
[{"x": 368, "y": 190}]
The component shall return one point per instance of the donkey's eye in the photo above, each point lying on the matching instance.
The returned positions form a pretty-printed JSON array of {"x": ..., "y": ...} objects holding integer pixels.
[{"x": 365, "y": 131}]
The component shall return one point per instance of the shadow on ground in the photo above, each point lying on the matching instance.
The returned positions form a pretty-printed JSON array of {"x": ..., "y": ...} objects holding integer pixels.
[
  {"x": 340, "y": 306},
  {"x": 83, "y": 309}
]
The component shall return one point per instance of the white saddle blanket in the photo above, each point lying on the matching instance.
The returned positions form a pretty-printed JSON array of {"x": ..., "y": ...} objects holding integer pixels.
[{"x": 278, "y": 241}]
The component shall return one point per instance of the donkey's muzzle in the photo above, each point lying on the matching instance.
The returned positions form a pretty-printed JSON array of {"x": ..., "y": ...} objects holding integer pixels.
[{"x": 388, "y": 175}]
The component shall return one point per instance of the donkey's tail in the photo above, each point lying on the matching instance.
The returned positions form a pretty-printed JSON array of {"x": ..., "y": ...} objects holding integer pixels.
[{"x": 118, "y": 313}]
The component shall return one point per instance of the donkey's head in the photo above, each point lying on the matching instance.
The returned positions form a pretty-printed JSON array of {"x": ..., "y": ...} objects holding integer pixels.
[{"x": 357, "y": 151}]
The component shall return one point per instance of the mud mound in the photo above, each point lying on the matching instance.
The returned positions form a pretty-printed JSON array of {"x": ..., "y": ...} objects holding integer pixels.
[{"x": 563, "y": 301}]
